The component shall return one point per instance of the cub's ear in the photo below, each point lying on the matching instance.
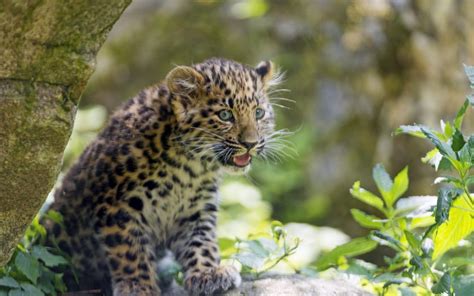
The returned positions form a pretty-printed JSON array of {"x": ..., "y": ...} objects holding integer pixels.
[
  {"x": 269, "y": 75},
  {"x": 184, "y": 80},
  {"x": 264, "y": 69}
]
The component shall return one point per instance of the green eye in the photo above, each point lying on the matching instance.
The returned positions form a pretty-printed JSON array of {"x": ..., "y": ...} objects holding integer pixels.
[
  {"x": 259, "y": 113},
  {"x": 225, "y": 115}
]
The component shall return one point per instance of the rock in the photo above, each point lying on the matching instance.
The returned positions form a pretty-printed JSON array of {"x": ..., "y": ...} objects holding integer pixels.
[{"x": 297, "y": 285}]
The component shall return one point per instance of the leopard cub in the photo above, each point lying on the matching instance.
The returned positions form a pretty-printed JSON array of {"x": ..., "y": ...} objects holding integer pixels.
[{"x": 148, "y": 182}]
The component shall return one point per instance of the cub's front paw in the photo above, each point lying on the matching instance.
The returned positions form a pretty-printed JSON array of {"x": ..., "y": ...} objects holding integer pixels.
[{"x": 213, "y": 280}]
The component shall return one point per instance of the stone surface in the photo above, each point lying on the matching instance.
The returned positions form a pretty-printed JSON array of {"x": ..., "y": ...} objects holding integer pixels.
[
  {"x": 47, "y": 54},
  {"x": 287, "y": 285}
]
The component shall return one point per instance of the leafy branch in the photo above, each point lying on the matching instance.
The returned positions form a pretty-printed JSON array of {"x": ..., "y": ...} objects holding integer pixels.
[
  {"x": 420, "y": 229},
  {"x": 258, "y": 255}
]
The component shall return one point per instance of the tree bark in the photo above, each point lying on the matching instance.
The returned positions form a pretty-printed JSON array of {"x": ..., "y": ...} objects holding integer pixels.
[{"x": 47, "y": 54}]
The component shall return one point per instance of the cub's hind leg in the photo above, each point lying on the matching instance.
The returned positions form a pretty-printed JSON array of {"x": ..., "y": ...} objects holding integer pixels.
[{"x": 88, "y": 269}]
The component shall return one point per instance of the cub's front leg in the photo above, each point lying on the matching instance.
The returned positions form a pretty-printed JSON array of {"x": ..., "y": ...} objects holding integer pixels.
[
  {"x": 195, "y": 247},
  {"x": 130, "y": 257}
]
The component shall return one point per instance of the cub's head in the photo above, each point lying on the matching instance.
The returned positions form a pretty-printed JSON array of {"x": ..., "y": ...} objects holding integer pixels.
[{"x": 223, "y": 110}]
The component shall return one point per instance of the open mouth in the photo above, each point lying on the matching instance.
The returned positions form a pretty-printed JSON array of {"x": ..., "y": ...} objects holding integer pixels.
[{"x": 242, "y": 160}]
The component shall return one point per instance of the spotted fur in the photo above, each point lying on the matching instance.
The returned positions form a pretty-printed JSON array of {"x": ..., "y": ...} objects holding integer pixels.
[{"x": 149, "y": 181}]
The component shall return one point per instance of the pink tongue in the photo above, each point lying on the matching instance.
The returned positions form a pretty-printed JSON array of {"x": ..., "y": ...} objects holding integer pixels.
[{"x": 242, "y": 160}]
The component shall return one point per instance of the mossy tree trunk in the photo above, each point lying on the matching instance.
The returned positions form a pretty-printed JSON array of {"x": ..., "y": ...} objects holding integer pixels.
[{"x": 47, "y": 54}]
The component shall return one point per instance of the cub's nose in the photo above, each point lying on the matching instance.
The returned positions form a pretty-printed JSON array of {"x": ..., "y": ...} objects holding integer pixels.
[{"x": 249, "y": 145}]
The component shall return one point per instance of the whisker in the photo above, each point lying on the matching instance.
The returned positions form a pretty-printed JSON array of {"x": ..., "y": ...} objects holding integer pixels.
[
  {"x": 281, "y": 99},
  {"x": 278, "y": 90},
  {"x": 279, "y": 105}
]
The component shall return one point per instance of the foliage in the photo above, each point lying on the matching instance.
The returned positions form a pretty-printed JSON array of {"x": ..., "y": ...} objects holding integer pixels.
[
  {"x": 419, "y": 235},
  {"x": 260, "y": 253},
  {"x": 33, "y": 268},
  {"x": 248, "y": 238}
]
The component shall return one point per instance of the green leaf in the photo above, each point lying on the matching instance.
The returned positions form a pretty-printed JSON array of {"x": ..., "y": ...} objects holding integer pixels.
[
  {"x": 422, "y": 222},
  {"x": 34, "y": 232},
  {"x": 406, "y": 291},
  {"x": 413, "y": 241},
  {"x": 447, "y": 129},
  {"x": 444, "y": 164},
  {"x": 277, "y": 229},
  {"x": 256, "y": 248},
  {"x": 59, "y": 283},
  {"x": 448, "y": 180},
  {"x": 465, "y": 155},
  {"x": 387, "y": 240},
  {"x": 460, "y": 115},
  {"x": 400, "y": 184},
  {"x": 385, "y": 277},
  {"x": 459, "y": 225},
  {"x": 463, "y": 285},
  {"x": 470, "y": 148},
  {"x": 458, "y": 141},
  {"x": 50, "y": 260},
  {"x": 28, "y": 265},
  {"x": 443, "y": 205},
  {"x": 433, "y": 158},
  {"x": 366, "y": 220},
  {"x": 416, "y": 206},
  {"x": 31, "y": 290},
  {"x": 469, "y": 70},
  {"x": 17, "y": 292},
  {"x": 308, "y": 272},
  {"x": 471, "y": 142},
  {"x": 9, "y": 282},
  {"x": 429, "y": 156},
  {"x": 416, "y": 262},
  {"x": 413, "y": 130},
  {"x": 355, "y": 247},
  {"x": 55, "y": 216},
  {"x": 443, "y": 285},
  {"x": 275, "y": 223},
  {"x": 442, "y": 147},
  {"x": 395, "y": 281},
  {"x": 384, "y": 183},
  {"x": 470, "y": 99},
  {"x": 46, "y": 283},
  {"x": 445, "y": 199},
  {"x": 361, "y": 268},
  {"x": 268, "y": 244},
  {"x": 366, "y": 196},
  {"x": 382, "y": 178},
  {"x": 250, "y": 260},
  {"x": 437, "y": 160}
]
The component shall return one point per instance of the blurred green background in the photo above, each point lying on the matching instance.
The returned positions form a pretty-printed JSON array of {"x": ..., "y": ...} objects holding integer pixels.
[{"x": 356, "y": 69}]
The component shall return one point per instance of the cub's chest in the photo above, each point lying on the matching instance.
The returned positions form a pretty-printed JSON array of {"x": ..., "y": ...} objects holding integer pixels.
[{"x": 174, "y": 193}]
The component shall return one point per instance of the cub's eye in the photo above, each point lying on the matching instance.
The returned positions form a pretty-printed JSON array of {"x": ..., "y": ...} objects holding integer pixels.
[
  {"x": 259, "y": 113},
  {"x": 225, "y": 115}
]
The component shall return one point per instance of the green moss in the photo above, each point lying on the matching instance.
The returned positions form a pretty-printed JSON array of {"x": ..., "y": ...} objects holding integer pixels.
[{"x": 48, "y": 51}]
